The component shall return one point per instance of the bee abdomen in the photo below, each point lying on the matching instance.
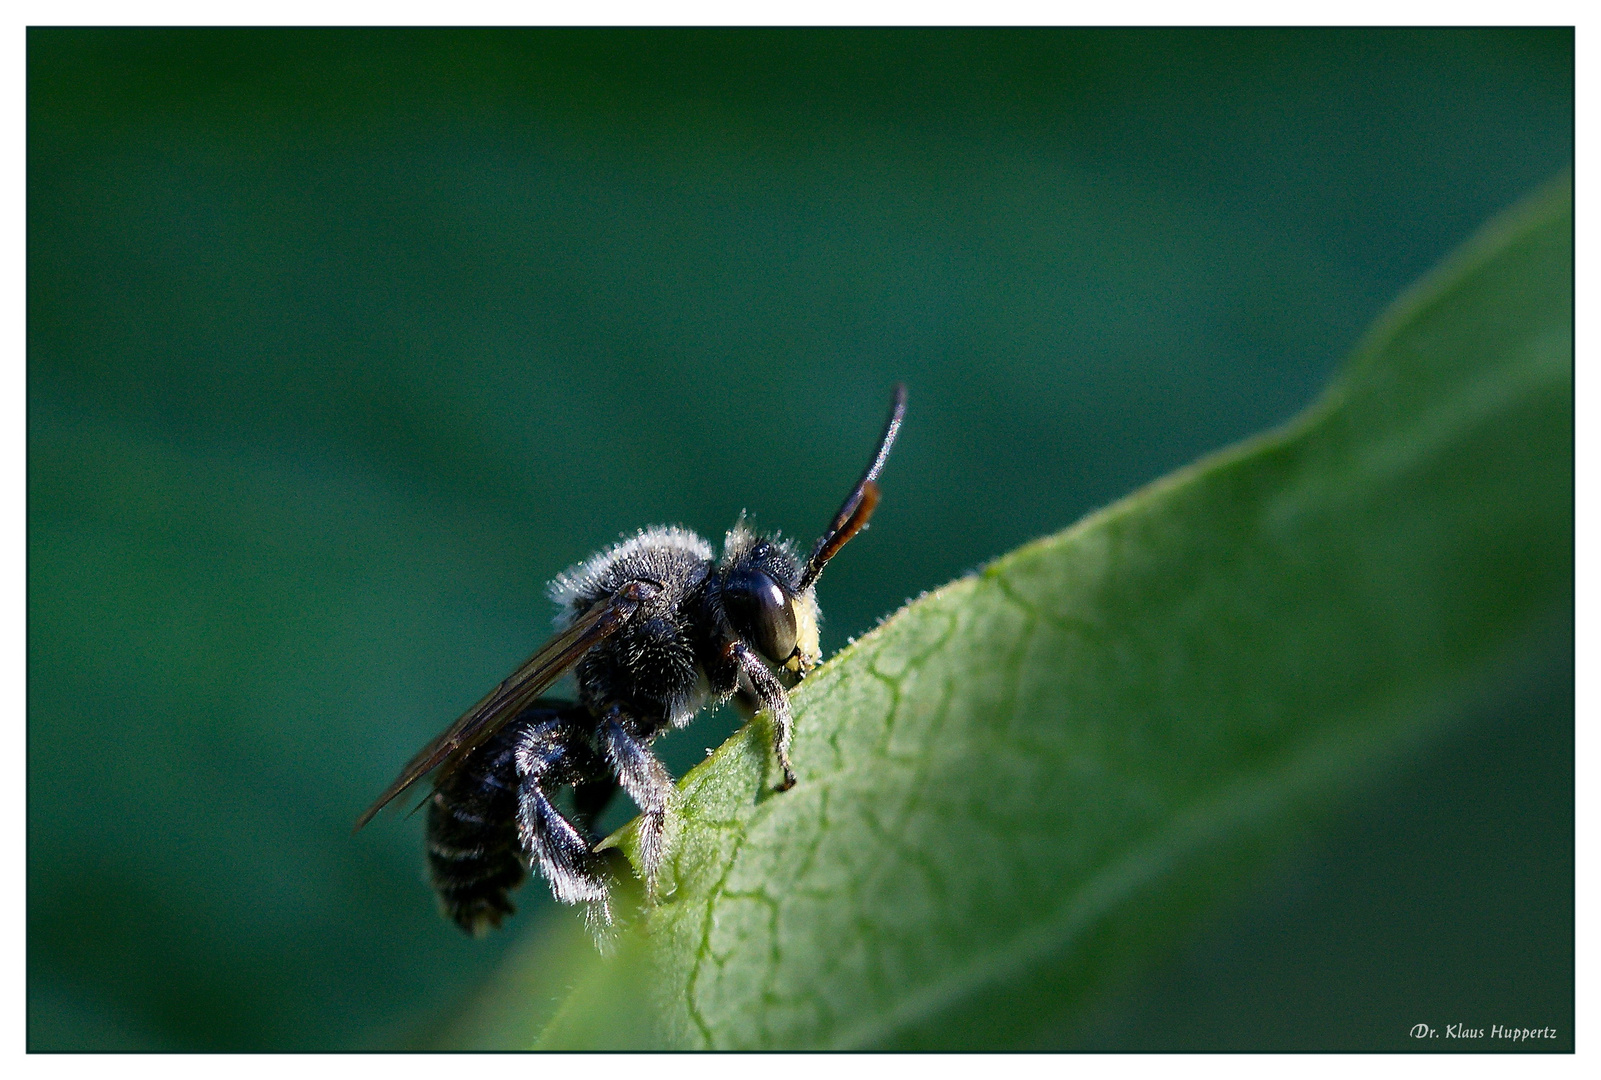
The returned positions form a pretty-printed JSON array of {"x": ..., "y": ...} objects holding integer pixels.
[{"x": 474, "y": 858}]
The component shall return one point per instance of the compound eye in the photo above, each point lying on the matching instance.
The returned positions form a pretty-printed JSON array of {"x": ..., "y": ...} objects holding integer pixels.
[{"x": 762, "y": 612}]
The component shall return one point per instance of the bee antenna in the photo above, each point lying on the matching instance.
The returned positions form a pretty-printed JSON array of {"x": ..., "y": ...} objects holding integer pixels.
[{"x": 863, "y": 499}]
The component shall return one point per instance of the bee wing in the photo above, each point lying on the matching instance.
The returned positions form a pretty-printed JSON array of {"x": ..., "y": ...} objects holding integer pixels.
[{"x": 518, "y": 690}]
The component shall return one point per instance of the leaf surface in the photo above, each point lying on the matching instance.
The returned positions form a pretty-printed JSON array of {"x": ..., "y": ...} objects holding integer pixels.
[{"x": 1028, "y": 785}]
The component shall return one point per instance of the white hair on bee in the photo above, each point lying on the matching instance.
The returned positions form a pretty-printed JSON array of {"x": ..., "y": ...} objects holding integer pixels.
[
  {"x": 741, "y": 538},
  {"x": 738, "y": 540},
  {"x": 681, "y": 708},
  {"x": 586, "y": 580}
]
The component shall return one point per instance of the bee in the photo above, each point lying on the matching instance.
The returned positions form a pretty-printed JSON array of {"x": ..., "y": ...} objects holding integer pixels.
[{"x": 655, "y": 629}]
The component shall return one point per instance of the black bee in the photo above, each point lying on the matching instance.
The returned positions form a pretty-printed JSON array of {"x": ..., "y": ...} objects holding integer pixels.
[{"x": 656, "y": 628}]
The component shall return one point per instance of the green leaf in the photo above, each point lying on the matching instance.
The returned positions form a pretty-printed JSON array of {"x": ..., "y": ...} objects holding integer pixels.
[{"x": 1026, "y": 786}]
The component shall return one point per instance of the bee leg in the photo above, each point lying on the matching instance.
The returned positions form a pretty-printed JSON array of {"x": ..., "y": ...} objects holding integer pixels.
[
  {"x": 770, "y": 692},
  {"x": 549, "y": 753},
  {"x": 647, "y": 782}
]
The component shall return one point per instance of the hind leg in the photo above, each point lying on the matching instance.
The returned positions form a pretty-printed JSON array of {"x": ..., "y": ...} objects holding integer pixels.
[
  {"x": 547, "y": 756},
  {"x": 492, "y": 817}
]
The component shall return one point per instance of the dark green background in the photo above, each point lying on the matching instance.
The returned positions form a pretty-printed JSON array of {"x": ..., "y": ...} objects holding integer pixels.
[{"x": 342, "y": 343}]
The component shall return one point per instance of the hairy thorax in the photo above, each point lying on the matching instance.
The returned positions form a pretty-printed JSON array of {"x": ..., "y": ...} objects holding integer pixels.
[{"x": 650, "y": 667}]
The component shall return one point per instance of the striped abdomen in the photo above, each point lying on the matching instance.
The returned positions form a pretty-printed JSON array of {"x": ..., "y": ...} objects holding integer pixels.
[{"x": 474, "y": 856}]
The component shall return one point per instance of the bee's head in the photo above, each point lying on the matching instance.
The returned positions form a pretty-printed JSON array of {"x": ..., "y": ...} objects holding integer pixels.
[
  {"x": 765, "y": 606},
  {"x": 768, "y": 596}
]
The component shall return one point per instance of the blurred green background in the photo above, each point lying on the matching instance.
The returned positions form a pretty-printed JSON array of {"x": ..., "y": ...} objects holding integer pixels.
[{"x": 342, "y": 342}]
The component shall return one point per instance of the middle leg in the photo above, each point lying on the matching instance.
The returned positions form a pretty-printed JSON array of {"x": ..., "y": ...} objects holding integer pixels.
[{"x": 647, "y": 782}]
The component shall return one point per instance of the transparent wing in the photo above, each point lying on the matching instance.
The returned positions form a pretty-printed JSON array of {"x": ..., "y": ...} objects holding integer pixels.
[{"x": 518, "y": 690}]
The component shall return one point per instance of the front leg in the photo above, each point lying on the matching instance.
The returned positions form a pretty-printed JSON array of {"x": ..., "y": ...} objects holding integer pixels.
[
  {"x": 773, "y": 697},
  {"x": 647, "y": 782}
]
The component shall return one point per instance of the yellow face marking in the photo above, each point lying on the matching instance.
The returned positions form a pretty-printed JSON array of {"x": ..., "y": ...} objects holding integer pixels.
[{"x": 808, "y": 650}]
